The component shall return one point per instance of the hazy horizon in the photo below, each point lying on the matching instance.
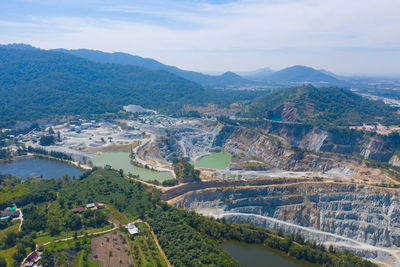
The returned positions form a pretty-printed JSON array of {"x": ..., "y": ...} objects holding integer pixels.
[{"x": 347, "y": 38}]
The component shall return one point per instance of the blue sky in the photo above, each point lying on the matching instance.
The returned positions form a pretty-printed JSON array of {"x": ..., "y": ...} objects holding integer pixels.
[{"x": 353, "y": 37}]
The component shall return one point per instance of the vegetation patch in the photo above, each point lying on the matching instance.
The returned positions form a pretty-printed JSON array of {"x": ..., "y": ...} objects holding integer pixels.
[{"x": 144, "y": 249}]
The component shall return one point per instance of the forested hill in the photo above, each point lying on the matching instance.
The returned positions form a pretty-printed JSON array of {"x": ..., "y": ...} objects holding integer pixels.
[
  {"x": 225, "y": 79},
  {"x": 36, "y": 84},
  {"x": 322, "y": 107}
]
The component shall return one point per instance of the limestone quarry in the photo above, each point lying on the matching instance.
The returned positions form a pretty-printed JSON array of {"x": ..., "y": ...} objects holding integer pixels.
[
  {"x": 357, "y": 217},
  {"x": 284, "y": 176}
]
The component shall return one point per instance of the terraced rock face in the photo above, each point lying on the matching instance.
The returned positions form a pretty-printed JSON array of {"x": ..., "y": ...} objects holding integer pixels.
[
  {"x": 358, "y": 217},
  {"x": 366, "y": 145},
  {"x": 189, "y": 139},
  {"x": 256, "y": 151}
]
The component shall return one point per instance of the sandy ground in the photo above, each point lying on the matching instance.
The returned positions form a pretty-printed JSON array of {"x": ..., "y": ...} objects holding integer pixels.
[{"x": 111, "y": 250}]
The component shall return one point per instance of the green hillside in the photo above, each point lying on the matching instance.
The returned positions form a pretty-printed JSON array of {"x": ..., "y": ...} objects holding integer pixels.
[
  {"x": 226, "y": 79},
  {"x": 322, "y": 107},
  {"x": 37, "y": 84}
]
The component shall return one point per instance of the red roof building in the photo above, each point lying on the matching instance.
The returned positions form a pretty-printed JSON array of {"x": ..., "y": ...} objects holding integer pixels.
[{"x": 33, "y": 258}]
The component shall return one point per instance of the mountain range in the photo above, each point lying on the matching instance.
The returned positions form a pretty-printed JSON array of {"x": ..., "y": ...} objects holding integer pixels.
[
  {"x": 225, "y": 79},
  {"x": 264, "y": 76},
  {"x": 299, "y": 74}
]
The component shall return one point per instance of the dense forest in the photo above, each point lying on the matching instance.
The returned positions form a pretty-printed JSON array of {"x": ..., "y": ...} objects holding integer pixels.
[
  {"x": 188, "y": 239},
  {"x": 322, "y": 107},
  {"x": 38, "y": 84},
  {"x": 165, "y": 219}
]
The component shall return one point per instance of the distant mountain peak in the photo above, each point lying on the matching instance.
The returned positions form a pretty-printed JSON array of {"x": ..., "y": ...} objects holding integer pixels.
[
  {"x": 300, "y": 73},
  {"x": 20, "y": 46},
  {"x": 229, "y": 74},
  {"x": 257, "y": 75}
]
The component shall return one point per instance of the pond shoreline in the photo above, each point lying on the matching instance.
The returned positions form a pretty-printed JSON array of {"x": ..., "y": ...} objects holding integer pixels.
[
  {"x": 40, "y": 166},
  {"x": 122, "y": 160},
  {"x": 254, "y": 255}
]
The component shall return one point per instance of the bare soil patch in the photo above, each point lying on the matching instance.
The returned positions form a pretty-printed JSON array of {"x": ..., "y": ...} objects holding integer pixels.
[
  {"x": 111, "y": 249},
  {"x": 113, "y": 148}
]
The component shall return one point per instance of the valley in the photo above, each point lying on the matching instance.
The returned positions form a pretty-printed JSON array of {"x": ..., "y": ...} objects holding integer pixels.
[{"x": 311, "y": 172}]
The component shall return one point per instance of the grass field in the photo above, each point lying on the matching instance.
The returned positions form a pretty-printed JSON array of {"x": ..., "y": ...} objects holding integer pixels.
[
  {"x": 7, "y": 194},
  {"x": 122, "y": 218},
  {"x": 46, "y": 237},
  {"x": 7, "y": 253}
]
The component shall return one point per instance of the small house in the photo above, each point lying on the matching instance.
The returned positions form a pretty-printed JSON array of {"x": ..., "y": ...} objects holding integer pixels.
[
  {"x": 91, "y": 206},
  {"x": 100, "y": 205},
  {"x": 11, "y": 213},
  {"x": 5, "y": 218},
  {"x": 132, "y": 229},
  {"x": 32, "y": 259}
]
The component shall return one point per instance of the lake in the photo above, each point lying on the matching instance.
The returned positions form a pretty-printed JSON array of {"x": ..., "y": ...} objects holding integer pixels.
[
  {"x": 254, "y": 255},
  {"x": 218, "y": 161},
  {"x": 121, "y": 160},
  {"x": 32, "y": 167}
]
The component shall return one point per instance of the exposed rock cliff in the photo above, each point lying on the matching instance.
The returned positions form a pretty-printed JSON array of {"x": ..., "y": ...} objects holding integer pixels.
[
  {"x": 395, "y": 161},
  {"x": 362, "y": 218},
  {"x": 257, "y": 151},
  {"x": 337, "y": 140},
  {"x": 285, "y": 111}
]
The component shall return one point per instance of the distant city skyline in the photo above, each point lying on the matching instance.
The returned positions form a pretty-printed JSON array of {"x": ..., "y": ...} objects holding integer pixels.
[{"x": 346, "y": 37}]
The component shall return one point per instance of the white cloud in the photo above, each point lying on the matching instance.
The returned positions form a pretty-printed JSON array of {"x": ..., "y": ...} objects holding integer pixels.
[{"x": 345, "y": 36}]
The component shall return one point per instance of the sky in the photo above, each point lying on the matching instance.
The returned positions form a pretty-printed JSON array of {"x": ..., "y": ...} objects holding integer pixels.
[{"x": 347, "y": 37}]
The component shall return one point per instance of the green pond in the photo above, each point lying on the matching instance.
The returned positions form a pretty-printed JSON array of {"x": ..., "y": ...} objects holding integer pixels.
[
  {"x": 121, "y": 160},
  {"x": 276, "y": 119},
  {"x": 253, "y": 255},
  {"x": 218, "y": 161}
]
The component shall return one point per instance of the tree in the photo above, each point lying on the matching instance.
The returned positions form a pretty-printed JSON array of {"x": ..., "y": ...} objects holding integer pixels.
[
  {"x": 77, "y": 246},
  {"x": 47, "y": 258},
  {"x": 3, "y": 262},
  {"x": 4, "y": 153},
  {"x": 74, "y": 222},
  {"x": 10, "y": 239},
  {"x": 54, "y": 228},
  {"x": 20, "y": 254},
  {"x": 47, "y": 140}
]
